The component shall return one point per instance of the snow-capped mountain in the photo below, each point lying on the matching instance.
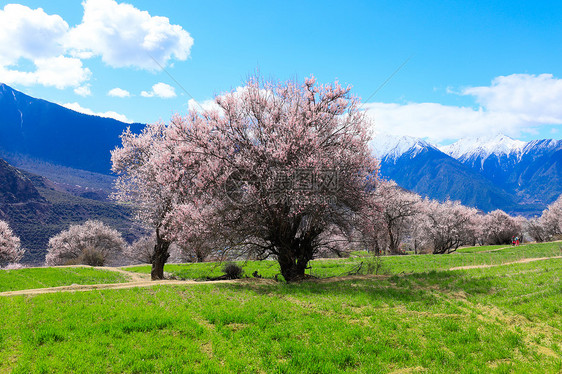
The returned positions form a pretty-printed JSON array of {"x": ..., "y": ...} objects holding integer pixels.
[
  {"x": 419, "y": 166},
  {"x": 487, "y": 173},
  {"x": 531, "y": 171},
  {"x": 484, "y": 147},
  {"x": 392, "y": 147},
  {"x": 541, "y": 146}
]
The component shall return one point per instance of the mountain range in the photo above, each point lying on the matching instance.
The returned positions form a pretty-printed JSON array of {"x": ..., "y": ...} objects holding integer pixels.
[{"x": 495, "y": 172}]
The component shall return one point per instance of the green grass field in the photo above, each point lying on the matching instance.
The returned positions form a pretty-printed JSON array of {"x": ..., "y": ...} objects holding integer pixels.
[
  {"x": 23, "y": 279},
  {"x": 416, "y": 318}
]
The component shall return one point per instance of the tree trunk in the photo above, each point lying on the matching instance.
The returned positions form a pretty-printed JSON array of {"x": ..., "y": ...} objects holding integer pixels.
[
  {"x": 293, "y": 249},
  {"x": 293, "y": 262},
  {"x": 199, "y": 256},
  {"x": 394, "y": 242},
  {"x": 292, "y": 270},
  {"x": 159, "y": 257}
]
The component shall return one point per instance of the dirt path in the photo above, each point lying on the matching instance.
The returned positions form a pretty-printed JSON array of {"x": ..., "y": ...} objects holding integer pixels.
[
  {"x": 134, "y": 276},
  {"x": 523, "y": 261},
  {"x": 108, "y": 286},
  {"x": 487, "y": 251},
  {"x": 134, "y": 280},
  {"x": 499, "y": 249}
]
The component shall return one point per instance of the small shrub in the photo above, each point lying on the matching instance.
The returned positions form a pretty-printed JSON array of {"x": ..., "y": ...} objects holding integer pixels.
[
  {"x": 90, "y": 256},
  {"x": 255, "y": 274},
  {"x": 232, "y": 271},
  {"x": 374, "y": 265},
  {"x": 14, "y": 266}
]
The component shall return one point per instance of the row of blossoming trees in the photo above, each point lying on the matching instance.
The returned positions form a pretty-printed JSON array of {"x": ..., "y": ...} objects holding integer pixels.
[
  {"x": 394, "y": 220},
  {"x": 282, "y": 171},
  {"x": 399, "y": 219}
]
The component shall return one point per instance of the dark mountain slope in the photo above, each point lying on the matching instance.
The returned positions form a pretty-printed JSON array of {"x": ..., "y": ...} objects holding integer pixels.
[
  {"x": 39, "y": 209},
  {"x": 15, "y": 187},
  {"x": 532, "y": 172},
  {"x": 52, "y": 133},
  {"x": 539, "y": 173}
]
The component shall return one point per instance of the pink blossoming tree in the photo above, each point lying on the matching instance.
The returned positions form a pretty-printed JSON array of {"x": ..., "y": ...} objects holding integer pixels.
[
  {"x": 446, "y": 226},
  {"x": 10, "y": 248},
  {"x": 142, "y": 182},
  {"x": 501, "y": 228},
  {"x": 90, "y": 243},
  {"x": 274, "y": 170},
  {"x": 389, "y": 216},
  {"x": 551, "y": 220},
  {"x": 536, "y": 230}
]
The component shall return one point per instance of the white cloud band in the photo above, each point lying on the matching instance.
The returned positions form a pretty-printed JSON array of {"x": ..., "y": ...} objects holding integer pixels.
[
  {"x": 510, "y": 105},
  {"x": 78, "y": 108}
]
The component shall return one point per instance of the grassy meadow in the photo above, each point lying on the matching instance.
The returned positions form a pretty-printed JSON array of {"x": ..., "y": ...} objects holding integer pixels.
[
  {"x": 416, "y": 316},
  {"x": 24, "y": 279}
]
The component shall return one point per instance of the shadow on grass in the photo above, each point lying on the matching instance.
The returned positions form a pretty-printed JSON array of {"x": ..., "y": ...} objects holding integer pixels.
[{"x": 416, "y": 287}]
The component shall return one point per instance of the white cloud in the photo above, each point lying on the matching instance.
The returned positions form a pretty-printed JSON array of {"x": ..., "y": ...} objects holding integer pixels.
[
  {"x": 536, "y": 98},
  {"x": 436, "y": 121},
  {"x": 118, "y": 92},
  {"x": 202, "y": 105},
  {"x": 161, "y": 90},
  {"x": 110, "y": 114},
  {"x": 30, "y": 34},
  {"x": 126, "y": 36},
  {"x": 122, "y": 35},
  {"x": 510, "y": 105},
  {"x": 60, "y": 72},
  {"x": 83, "y": 90},
  {"x": 33, "y": 35}
]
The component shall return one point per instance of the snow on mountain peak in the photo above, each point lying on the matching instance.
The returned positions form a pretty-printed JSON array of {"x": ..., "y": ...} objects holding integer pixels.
[
  {"x": 484, "y": 147},
  {"x": 542, "y": 144},
  {"x": 392, "y": 146}
]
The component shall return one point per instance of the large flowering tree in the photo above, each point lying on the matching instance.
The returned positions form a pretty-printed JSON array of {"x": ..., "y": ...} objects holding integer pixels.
[
  {"x": 551, "y": 220},
  {"x": 278, "y": 169},
  {"x": 138, "y": 165},
  {"x": 500, "y": 228}
]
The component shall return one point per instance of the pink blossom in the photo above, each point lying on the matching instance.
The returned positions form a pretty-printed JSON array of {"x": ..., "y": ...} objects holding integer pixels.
[{"x": 10, "y": 248}]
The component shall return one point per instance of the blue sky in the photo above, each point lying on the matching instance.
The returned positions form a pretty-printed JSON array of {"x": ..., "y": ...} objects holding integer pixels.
[{"x": 473, "y": 68}]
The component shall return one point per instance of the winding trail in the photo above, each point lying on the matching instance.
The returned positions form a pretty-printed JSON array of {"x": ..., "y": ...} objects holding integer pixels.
[
  {"x": 134, "y": 276},
  {"x": 143, "y": 280},
  {"x": 106, "y": 286},
  {"x": 135, "y": 280},
  {"x": 523, "y": 261}
]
